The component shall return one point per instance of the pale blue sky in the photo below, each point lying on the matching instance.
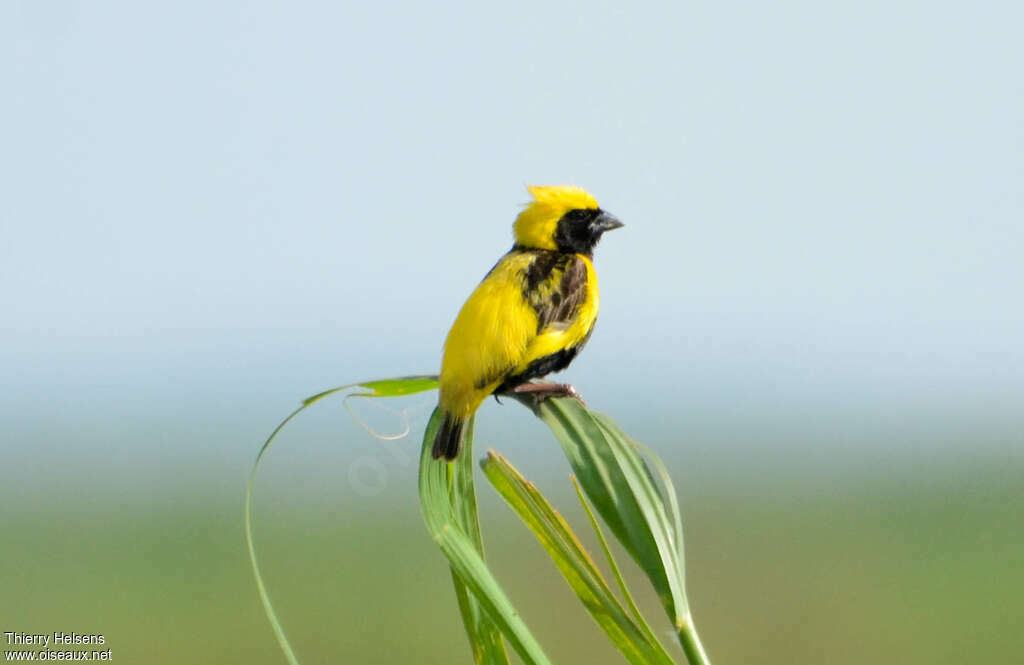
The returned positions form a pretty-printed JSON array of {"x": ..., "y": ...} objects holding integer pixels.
[{"x": 240, "y": 204}]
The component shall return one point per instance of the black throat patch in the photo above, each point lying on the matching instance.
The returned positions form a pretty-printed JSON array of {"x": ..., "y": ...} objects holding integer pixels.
[{"x": 574, "y": 232}]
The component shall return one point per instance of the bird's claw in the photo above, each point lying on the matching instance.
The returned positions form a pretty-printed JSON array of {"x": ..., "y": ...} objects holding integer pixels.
[
  {"x": 542, "y": 391},
  {"x": 570, "y": 391}
]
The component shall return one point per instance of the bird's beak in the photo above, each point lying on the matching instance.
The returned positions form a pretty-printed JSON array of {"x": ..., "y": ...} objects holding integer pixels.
[{"x": 605, "y": 222}]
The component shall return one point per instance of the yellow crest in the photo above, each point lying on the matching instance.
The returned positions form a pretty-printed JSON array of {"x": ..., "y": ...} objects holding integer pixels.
[{"x": 535, "y": 226}]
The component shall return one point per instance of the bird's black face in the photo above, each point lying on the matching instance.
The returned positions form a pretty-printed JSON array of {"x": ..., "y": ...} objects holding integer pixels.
[{"x": 579, "y": 230}]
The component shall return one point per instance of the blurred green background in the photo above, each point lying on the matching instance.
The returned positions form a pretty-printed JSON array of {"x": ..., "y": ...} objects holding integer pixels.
[{"x": 813, "y": 314}]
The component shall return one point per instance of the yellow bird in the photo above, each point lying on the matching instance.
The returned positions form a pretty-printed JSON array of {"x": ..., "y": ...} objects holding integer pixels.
[{"x": 531, "y": 314}]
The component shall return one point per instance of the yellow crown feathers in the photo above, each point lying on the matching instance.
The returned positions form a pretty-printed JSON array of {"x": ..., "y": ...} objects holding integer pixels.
[{"x": 570, "y": 196}]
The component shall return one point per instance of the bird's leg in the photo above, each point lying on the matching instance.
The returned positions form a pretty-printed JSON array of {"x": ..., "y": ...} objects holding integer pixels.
[{"x": 543, "y": 390}]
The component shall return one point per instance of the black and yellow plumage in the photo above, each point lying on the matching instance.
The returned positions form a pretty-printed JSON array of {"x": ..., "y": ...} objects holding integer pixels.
[{"x": 530, "y": 315}]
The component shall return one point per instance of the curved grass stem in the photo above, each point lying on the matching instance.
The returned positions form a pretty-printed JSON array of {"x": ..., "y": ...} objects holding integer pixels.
[{"x": 690, "y": 641}]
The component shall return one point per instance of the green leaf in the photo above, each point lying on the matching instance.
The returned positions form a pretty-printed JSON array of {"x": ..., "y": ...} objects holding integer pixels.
[
  {"x": 622, "y": 488},
  {"x": 448, "y": 502},
  {"x": 408, "y": 385},
  {"x": 643, "y": 516},
  {"x": 637, "y": 616},
  {"x": 404, "y": 386},
  {"x": 382, "y": 388},
  {"x": 484, "y": 636},
  {"x": 574, "y": 563}
]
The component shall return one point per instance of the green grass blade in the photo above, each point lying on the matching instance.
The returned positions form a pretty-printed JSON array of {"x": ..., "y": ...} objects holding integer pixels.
[
  {"x": 406, "y": 385},
  {"x": 382, "y": 388},
  {"x": 643, "y": 516},
  {"x": 622, "y": 489},
  {"x": 649, "y": 497},
  {"x": 484, "y": 636},
  {"x": 638, "y": 617},
  {"x": 268, "y": 607},
  {"x": 573, "y": 562},
  {"x": 668, "y": 491},
  {"x": 443, "y": 498}
]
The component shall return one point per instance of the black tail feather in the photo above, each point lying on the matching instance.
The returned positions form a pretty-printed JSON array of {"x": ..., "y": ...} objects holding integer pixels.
[{"x": 449, "y": 439}]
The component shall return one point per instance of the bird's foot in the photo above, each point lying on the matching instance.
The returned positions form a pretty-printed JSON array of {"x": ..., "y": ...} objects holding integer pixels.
[{"x": 543, "y": 390}]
